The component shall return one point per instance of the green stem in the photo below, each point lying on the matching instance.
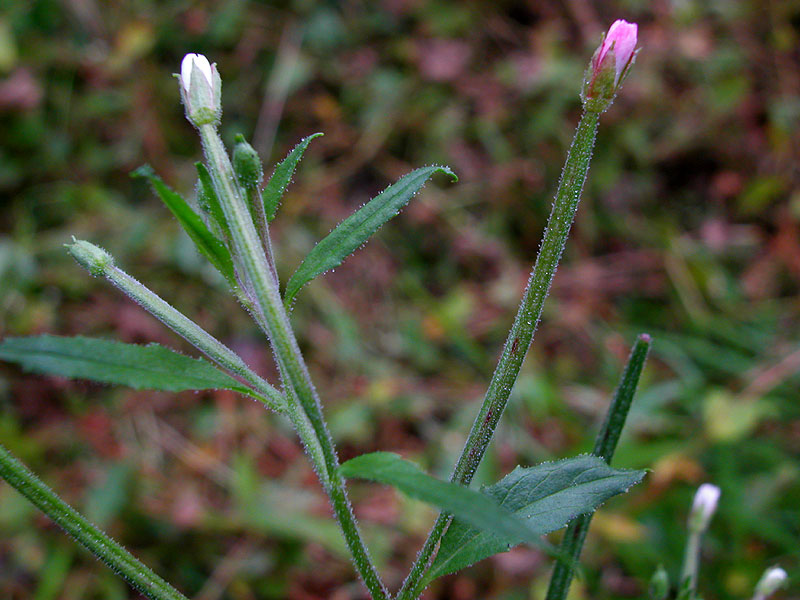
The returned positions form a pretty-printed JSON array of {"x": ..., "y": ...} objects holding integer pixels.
[
  {"x": 297, "y": 382},
  {"x": 96, "y": 541},
  {"x": 604, "y": 447},
  {"x": 691, "y": 558},
  {"x": 259, "y": 216},
  {"x": 194, "y": 334},
  {"x": 521, "y": 335}
]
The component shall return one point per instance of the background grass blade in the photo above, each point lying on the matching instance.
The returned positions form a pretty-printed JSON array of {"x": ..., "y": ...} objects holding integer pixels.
[
  {"x": 122, "y": 562},
  {"x": 604, "y": 447},
  {"x": 208, "y": 245},
  {"x": 282, "y": 176},
  {"x": 546, "y": 497},
  {"x": 358, "y": 227},
  {"x": 151, "y": 367}
]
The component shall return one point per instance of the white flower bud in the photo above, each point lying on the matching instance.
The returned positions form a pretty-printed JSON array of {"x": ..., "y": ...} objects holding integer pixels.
[
  {"x": 772, "y": 579},
  {"x": 703, "y": 507},
  {"x": 201, "y": 90}
]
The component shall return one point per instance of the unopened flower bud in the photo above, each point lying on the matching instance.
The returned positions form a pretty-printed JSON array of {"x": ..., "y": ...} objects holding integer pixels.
[
  {"x": 92, "y": 258},
  {"x": 609, "y": 66},
  {"x": 703, "y": 507},
  {"x": 772, "y": 579},
  {"x": 201, "y": 90},
  {"x": 659, "y": 584},
  {"x": 247, "y": 164}
]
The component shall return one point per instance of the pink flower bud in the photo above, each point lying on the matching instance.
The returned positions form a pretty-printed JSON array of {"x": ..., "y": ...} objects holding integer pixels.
[
  {"x": 621, "y": 38},
  {"x": 609, "y": 66}
]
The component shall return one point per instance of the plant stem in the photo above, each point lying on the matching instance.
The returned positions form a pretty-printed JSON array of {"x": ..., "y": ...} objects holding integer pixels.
[
  {"x": 299, "y": 389},
  {"x": 520, "y": 337},
  {"x": 604, "y": 447},
  {"x": 96, "y": 541},
  {"x": 256, "y": 204},
  {"x": 691, "y": 557},
  {"x": 194, "y": 334}
]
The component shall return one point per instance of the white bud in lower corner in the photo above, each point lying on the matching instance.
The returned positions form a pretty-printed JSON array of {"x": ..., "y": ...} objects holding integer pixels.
[
  {"x": 703, "y": 507},
  {"x": 201, "y": 90},
  {"x": 772, "y": 579}
]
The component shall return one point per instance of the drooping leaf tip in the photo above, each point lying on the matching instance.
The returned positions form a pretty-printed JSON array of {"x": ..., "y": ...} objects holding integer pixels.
[
  {"x": 143, "y": 171},
  {"x": 447, "y": 171}
]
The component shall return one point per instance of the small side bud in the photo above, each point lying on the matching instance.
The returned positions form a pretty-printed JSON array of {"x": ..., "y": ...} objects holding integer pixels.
[
  {"x": 92, "y": 258},
  {"x": 659, "y": 584},
  {"x": 201, "y": 90},
  {"x": 609, "y": 66},
  {"x": 703, "y": 507},
  {"x": 247, "y": 164},
  {"x": 772, "y": 579}
]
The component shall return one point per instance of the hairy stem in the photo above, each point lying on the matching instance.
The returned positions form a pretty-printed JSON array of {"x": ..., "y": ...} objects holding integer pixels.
[
  {"x": 256, "y": 203},
  {"x": 604, "y": 447},
  {"x": 96, "y": 541},
  {"x": 217, "y": 352},
  {"x": 520, "y": 337},
  {"x": 194, "y": 334},
  {"x": 300, "y": 391}
]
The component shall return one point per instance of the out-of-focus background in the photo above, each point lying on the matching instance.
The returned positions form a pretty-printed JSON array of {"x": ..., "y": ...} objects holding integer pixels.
[{"x": 689, "y": 229}]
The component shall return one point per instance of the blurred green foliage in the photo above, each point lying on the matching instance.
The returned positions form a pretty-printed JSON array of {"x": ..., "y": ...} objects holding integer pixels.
[{"x": 689, "y": 230}]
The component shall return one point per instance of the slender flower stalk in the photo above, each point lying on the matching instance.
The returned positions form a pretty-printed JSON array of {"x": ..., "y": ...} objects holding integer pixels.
[
  {"x": 521, "y": 334},
  {"x": 703, "y": 508},
  {"x": 604, "y": 447},
  {"x": 101, "y": 264},
  {"x": 522, "y": 331},
  {"x": 95, "y": 540},
  {"x": 300, "y": 392}
]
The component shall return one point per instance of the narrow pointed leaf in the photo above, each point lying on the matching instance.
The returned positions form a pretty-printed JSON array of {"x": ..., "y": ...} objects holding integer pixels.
[
  {"x": 546, "y": 497},
  {"x": 356, "y": 229},
  {"x": 478, "y": 509},
  {"x": 277, "y": 184},
  {"x": 208, "y": 245},
  {"x": 152, "y": 367}
]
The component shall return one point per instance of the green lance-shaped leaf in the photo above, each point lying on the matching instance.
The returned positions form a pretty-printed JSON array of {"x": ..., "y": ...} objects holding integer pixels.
[
  {"x": 208, "y": 245},
  {"x": 282, "y": 176},
  {"x": 546, "y": 497},
  {"x": 151, "y": 367},
  {"x": 122, "y": 562},
  {"x": 479, "y": 510},
  {"x": 358, "y": 227}
]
